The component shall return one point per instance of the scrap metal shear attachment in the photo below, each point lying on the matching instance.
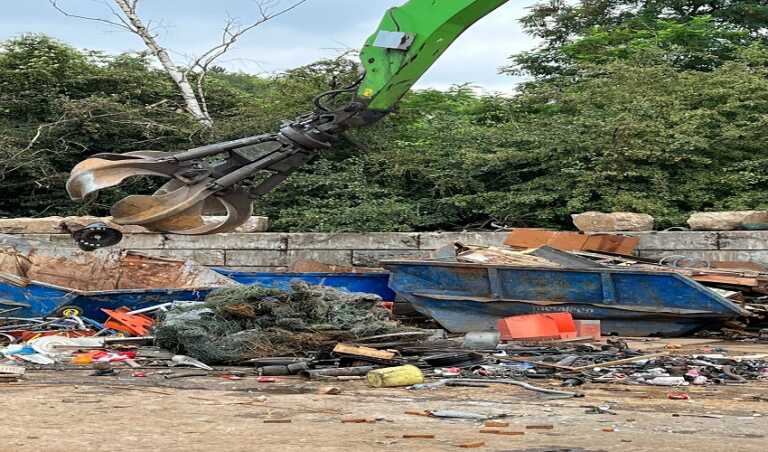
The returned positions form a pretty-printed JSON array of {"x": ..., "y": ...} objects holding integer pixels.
[
  {"x": 195, "y": 186},
  {"x": 408, "y": 41}
]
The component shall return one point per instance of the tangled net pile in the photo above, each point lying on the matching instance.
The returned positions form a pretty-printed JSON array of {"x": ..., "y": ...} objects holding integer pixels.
[{"x": 240, "y": 323}]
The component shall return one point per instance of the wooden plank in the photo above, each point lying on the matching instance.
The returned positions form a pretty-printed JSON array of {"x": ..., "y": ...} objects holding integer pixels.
[
  {"x": 353, "y": 350},
  {"x": 727, "y": 279}
]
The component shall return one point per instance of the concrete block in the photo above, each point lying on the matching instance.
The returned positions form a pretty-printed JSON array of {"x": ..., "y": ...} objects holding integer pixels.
[
  {"x": 356, "y": 241},
  {"x": 255, "y": 258},
  {"x": 202, "y": 257},
  {"x": 677, "y": 240},
  {"x": 66, "y": 252},
  {"x": 48, "y": 225},
  {"x": 259, "y": 269},
  {"x": 51, "y": 225},
  {"x": 233, "y": 241},
  {"x": 744, "y": 240},
  {"x": 44, "y": 239},
  {"x": 142, "y": 242},
  {"x": 435, "y": 240},
  {"x": 333, "y": 257},
  {"x": 371, "y": 258}
]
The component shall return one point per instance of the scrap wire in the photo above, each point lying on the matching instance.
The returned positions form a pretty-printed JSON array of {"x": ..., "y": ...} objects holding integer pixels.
[
  {"x": 37, "y": 324},
  {"x": 6, "y": 311},
  {"x": 505, "y": 381}
]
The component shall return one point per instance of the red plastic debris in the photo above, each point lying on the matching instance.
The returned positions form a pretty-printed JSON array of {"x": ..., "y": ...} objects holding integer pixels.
[
  {"x": 139, "y": 374},
  {"x": 588, "y": 328},
  {"x": 557, "y": 325},
  {"x": 133, "y": 324},
  {"x": 112, "y": 357},
  {"x": 678, "y": 396},
  {"x": 267, "y": 380}
]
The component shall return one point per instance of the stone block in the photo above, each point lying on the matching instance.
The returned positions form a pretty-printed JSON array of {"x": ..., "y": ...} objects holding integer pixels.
[
  {"x": 372, "y": 258},
  {"x": 727, "y": 221},
  {"x": 256, "y": 258},
  {"x": 677, "y": 241},
  {"x": 353, "y": 241},
  {"x": 613, "y": 222},
  {"x": 435, "y": 240},
  {"x": 233, "y": 241}
]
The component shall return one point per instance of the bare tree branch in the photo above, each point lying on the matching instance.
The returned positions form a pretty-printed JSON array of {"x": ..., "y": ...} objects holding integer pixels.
[
  {"x": 194, "y": 97},
  {"x": 230, "y": 35},
  {"x": 58, "y": 8}
]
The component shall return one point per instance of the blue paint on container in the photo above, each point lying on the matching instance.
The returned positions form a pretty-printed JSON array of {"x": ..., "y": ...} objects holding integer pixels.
[
  {"x": 375, "y": 283},
  {"x": 47, "y": 299},
  {"x": 473, "y": 297}
]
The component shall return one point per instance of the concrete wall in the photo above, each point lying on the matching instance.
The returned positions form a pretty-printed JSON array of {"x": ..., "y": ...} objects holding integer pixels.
[{"x": 277, "y": 251}]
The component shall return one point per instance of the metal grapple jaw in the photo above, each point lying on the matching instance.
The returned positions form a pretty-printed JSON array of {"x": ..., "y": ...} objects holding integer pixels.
[{"x": 194, "y": 186}]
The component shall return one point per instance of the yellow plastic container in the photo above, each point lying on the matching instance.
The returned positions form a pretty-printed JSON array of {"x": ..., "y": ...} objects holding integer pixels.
[{"x": 392, "y": 377}]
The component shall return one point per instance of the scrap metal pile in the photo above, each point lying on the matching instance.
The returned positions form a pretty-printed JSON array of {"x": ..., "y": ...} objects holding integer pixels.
[
  {"x": 240, "y": 323},
  {"x": 322, "y": 333}
]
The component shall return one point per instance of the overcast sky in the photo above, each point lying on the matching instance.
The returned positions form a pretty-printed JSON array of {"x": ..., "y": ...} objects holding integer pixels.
[{"x": 317, "y": 29}]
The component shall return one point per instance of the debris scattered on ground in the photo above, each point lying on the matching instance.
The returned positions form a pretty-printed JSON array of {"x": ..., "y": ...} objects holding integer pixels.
[{"x": 321, "y": 341}]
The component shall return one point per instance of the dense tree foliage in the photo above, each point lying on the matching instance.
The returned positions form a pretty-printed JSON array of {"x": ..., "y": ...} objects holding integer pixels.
[
  {"x": 651, "y": 106},
  {"x": 689, "y": 34}
]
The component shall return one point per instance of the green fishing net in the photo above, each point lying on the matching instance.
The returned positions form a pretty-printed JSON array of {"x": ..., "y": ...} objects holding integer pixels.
[{"x": 240, "y": 323}]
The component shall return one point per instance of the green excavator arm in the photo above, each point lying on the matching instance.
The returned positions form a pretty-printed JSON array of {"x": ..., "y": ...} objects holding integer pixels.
[{"x": 409, "y": 40}]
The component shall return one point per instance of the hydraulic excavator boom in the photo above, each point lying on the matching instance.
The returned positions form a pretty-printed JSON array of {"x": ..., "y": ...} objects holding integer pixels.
[{"x": 407, "y": 43}]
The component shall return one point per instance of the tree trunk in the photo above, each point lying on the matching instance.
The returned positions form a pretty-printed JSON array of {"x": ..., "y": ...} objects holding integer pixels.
[{"x": 178, "y": 76}]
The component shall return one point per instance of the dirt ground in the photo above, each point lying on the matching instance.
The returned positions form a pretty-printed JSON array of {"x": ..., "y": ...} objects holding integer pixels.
[{"x": 70, "y": 410}]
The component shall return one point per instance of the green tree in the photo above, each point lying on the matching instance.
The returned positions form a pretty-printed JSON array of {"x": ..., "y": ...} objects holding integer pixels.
[{"x": 690, "y": 34}]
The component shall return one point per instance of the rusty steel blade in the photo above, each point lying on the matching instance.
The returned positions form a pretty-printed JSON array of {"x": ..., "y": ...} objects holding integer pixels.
[
  {"x": 146, "y": 209},
  {"x": 237, "y": 204},
  {"x": 212, "y": 206},
  {"x": 180, "y": 211},
  {"x": 94, "y": 174}
]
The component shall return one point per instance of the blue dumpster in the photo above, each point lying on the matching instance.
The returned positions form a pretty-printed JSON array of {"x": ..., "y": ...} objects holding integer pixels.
[{"x": 466, "y": 297}]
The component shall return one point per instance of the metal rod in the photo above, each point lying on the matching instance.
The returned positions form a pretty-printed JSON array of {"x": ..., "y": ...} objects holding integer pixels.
[
  {"x": 337, "y": 372},
  {"x": 213, "y": 149}
]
